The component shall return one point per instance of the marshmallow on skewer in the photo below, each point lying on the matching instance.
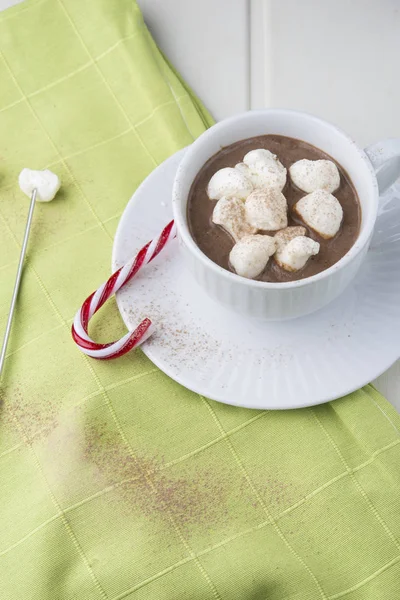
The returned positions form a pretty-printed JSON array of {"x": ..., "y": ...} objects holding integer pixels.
[
  {"x": 293, "y": 248},
  {"x": 250, "y": 255},
  {"x": 45, "y": 182},
  {"x": 311, "y": 175},
  {"x": 322, "y": 212},
  {"x": 38, "y": 185}
]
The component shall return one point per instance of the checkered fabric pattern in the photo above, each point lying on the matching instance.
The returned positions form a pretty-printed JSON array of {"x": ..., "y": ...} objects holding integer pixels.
[{"x": 116, "y": 482}]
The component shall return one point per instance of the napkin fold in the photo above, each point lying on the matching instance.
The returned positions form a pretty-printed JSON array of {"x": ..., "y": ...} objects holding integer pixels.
[{"x": 116, "y": 482}]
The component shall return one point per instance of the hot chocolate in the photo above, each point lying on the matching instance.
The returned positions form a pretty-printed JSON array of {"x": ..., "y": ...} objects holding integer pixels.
[{"x": 281, "y": 188}]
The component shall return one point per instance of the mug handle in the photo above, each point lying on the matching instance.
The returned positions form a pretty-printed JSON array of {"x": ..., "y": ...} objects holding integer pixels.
[{"x": 385, "y": 158}]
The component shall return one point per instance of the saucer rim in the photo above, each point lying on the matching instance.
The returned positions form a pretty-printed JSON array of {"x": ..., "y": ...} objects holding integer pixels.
[{"x": 184, "y": 379}]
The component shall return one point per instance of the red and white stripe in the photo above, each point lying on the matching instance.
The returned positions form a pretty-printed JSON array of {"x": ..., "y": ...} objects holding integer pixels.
[{"x": 96, "y": 300}]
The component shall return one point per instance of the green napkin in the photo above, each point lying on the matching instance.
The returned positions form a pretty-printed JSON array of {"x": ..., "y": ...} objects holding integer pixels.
[{"x": 116, "y": 482}]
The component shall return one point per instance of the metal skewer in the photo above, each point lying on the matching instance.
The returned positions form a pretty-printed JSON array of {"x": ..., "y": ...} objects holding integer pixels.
[{"x": 17, "y": 281}]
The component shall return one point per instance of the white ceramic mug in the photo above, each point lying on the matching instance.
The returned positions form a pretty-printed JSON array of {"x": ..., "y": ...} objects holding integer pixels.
[{"x": 378, "y": 164}]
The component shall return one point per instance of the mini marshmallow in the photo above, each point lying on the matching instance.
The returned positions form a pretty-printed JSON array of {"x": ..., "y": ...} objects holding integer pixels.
[
  {"x": 229, "y": 183},
  {"x": 311, "y": 175},
  {"x": 250, "y": 255},
  {"x": 45, "y": 182},
  {"x": 321, "y": 211},
  {"x": 284, "y": 236},
  {"x": 263, "y": 169},
  {"x": 266, "y": 209},
  {"x": 244, "y": 169},
  {"x": 293, "y": 248},
  {"x": 260, "y": 157},
  {"x": 230, "y": 214}
]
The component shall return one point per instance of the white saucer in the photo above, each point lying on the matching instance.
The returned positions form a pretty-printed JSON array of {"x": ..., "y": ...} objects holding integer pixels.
[{"x": 250, "y": 363}]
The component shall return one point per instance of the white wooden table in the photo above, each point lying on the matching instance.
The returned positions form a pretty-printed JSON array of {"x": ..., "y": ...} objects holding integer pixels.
[{"x": 336, "y": 59}]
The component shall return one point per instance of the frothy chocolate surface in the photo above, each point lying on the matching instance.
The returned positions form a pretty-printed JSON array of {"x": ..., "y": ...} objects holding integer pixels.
[{"x": 217, "y": 243}]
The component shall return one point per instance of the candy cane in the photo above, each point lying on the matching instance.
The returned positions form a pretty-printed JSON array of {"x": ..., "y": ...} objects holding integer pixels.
[{"x": 96, "y": 300}]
